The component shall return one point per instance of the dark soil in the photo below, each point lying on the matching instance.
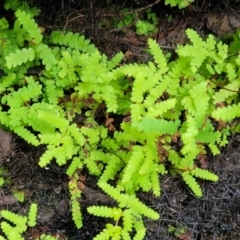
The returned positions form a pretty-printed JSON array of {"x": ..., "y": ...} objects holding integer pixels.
[{"x": 214, "y": 216}]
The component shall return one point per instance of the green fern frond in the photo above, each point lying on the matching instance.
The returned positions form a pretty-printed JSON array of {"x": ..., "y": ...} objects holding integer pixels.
[
  {"x": 230, "y": 90},
  {"x": 47, "y": 56},
  {"x": 112, "y": 63},
  {"x": 227, "y": 113},
  {"x": 75, "y": 41},
  {"x": 129, "y": 201},
  {"x": 46, "y": 237},
  {"x": 102, "y": 211},
  {"x": 30, "y": 26},
  {"x": 19, "y": 57},
  {"x": 140, "y": 230},
  {"x": 19, "y": 221},
  {"x": 137, "y": 156},
  {"x": 158, "y": 126},
  {"x": 204, "y": 174},
  {"x": 10, "y": 232},
  {"x": 26, "y": 134},
  {"x": 158, "y": 56},
  {"x": 75, "y": 205},
  {"x": 74, "y": 165},
  {"x": 32, "y": 215},
  {"x": 191, "y": 182},
  {"x": 7, "y": 81}
]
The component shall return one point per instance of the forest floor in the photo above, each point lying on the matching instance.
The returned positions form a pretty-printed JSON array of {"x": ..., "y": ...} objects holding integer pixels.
[{"x": 214, "y": 216}]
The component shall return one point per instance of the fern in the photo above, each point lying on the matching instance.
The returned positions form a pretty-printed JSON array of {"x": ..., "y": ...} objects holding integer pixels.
[
  {"x": 158, "y": 126},
  {"x": 158, "y": 56},
  {"x": 129, "y": 201},
  {"x": 227, "y": 113},
  {"x": 204, "y": 174},
  {"x": 19, "y": 57},
  {"x": 75, "y": 206},
  {"x": 14, "y": 232},
  {"x": 75, "y": 41},
  {"x": 191, "y": 182},
  {"x": 30, "y": 26},
  {"x": 185, "y": 102},
  {"x": 46, "y": 237},
  {"x": 32, "y": 215}
]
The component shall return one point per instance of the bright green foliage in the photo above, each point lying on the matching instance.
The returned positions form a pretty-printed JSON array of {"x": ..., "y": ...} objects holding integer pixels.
[
  {"x": 75, "y": 195},
  {"x": 167, "y": 112},
  {"x": 46, "y": 237},
  {"x": 32, "y": 215},
  {"x": 72, "y": 40},
  {"x": 148, "y": 25},
  {"x": 179, "y": 3},
  {"x": 18, "y": 224}
]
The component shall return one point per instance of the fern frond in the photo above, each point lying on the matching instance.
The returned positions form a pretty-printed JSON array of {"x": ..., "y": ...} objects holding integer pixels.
[
  {"x": 158, "y": 56},
  {"x": 32, "y": 215},
  {"x": 76, "y": 212},
  {"x": 26, "y": 134},
  {"x": 115, "y": 61},
  {"x": 110, "y": 232},
  {"x": 227, "y": 113},
  {"x": 30, "y": 26},
  {"x": 127, "y": 220},
  {"x": 44, "y": 52},
  {"x": 204, "y": 174},
  {"x": 158, "y": 126},
  {"x": 191, "y": 182},
  {"x": 75, "y": 205},
  {"x": 128, "y": 200},
  {"x": 134, "y": 162},
  {"x": 114, "y": 164},
  {"x": 15, "y": 219},
  {"x": 230, "y": 90},
  {"x": 102, "y": 211},
  {"x": 7, "y": 81},
  {"x": 10, "y": 232},
  {"x": 19, "y": 57},
  {"x": 140, "y": 229},
  {"x": 74, "y": 165},
  {"x": 75, "y": 41}
]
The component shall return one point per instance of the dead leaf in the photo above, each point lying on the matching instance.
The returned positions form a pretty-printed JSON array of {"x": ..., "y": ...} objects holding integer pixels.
[
  {"x": 81, "y": 186},
  {"x": 203, "y": 161},
  {"x": 184, "y": 236}
]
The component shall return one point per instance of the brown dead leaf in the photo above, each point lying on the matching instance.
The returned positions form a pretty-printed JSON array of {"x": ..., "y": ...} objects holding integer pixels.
[
  {"x": 184, "y": 236},
  {"x": 81, "y": 186},
  {"x": 203, "y": 161},
  {"x": 82, "y": 178},
  {"x": 108, "y": 123}
]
